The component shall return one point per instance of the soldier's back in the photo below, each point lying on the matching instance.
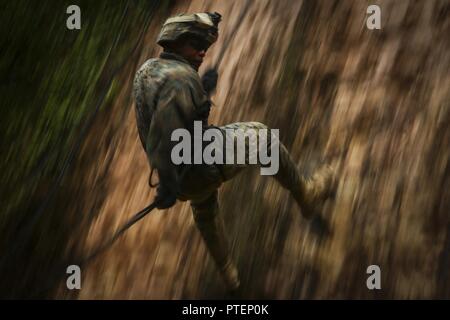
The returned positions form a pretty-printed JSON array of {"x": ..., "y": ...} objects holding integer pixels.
[{"x": 167, "y": 93}]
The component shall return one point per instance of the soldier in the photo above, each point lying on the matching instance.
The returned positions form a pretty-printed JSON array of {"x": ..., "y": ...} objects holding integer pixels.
[{"x": 169, "y": 94}]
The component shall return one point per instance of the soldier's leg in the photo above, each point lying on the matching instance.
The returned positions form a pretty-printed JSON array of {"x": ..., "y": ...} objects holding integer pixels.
[
  {"x": 306, "y": 191},
  {"x": 210, "y": 223},
  {"x": 232, "y": 130}
]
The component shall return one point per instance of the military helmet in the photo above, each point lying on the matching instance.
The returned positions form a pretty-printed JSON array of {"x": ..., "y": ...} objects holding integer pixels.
[{"x": 202, "y": 25}]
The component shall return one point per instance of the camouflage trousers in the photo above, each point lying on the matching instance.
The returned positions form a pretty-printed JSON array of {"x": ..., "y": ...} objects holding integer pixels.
[{"x": 200, "y": 186}]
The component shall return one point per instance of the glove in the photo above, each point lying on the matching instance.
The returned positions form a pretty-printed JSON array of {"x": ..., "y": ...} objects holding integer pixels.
[
  {"x": 165, "y": 198},
  {"x": 209, "y": 80}
]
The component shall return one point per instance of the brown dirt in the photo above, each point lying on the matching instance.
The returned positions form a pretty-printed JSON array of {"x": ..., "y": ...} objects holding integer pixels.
[{"x": 376, "y": 100}]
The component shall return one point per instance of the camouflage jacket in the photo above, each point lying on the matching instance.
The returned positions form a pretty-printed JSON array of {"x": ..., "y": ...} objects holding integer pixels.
[{"x": 168, "y": 94}]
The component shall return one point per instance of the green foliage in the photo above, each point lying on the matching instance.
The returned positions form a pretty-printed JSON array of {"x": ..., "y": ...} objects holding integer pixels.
[{"x": 50, "y": 79}]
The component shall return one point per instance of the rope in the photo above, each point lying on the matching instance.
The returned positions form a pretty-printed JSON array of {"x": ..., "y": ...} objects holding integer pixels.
[
  {"x": 59, "y": 271},
  {"x": 101, "y": 248}
]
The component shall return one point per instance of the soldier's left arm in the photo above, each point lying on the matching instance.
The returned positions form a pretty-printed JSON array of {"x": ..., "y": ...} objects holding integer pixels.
[{"x": 193, "y": 99}]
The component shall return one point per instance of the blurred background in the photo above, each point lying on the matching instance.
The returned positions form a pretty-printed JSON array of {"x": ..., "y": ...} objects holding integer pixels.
[{"x": 72, "y": 168}]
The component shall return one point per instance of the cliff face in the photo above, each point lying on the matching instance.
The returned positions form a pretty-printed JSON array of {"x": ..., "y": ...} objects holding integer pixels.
[{"x": 377, "y": 100}]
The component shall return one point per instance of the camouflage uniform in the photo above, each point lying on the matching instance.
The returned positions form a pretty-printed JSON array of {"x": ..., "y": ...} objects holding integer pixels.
[{"x": 169, "y": 95}]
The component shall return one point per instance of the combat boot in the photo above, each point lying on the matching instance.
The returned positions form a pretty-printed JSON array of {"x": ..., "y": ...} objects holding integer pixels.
[
  {"x": 230, "y": 276},
  {"x": 316, "y": 189}
]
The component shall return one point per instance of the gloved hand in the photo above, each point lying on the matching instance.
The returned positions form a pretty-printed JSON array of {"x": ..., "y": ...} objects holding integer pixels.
[
  {"x": 209, "y": 80},
  {"x": 165, "y": 198}
]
